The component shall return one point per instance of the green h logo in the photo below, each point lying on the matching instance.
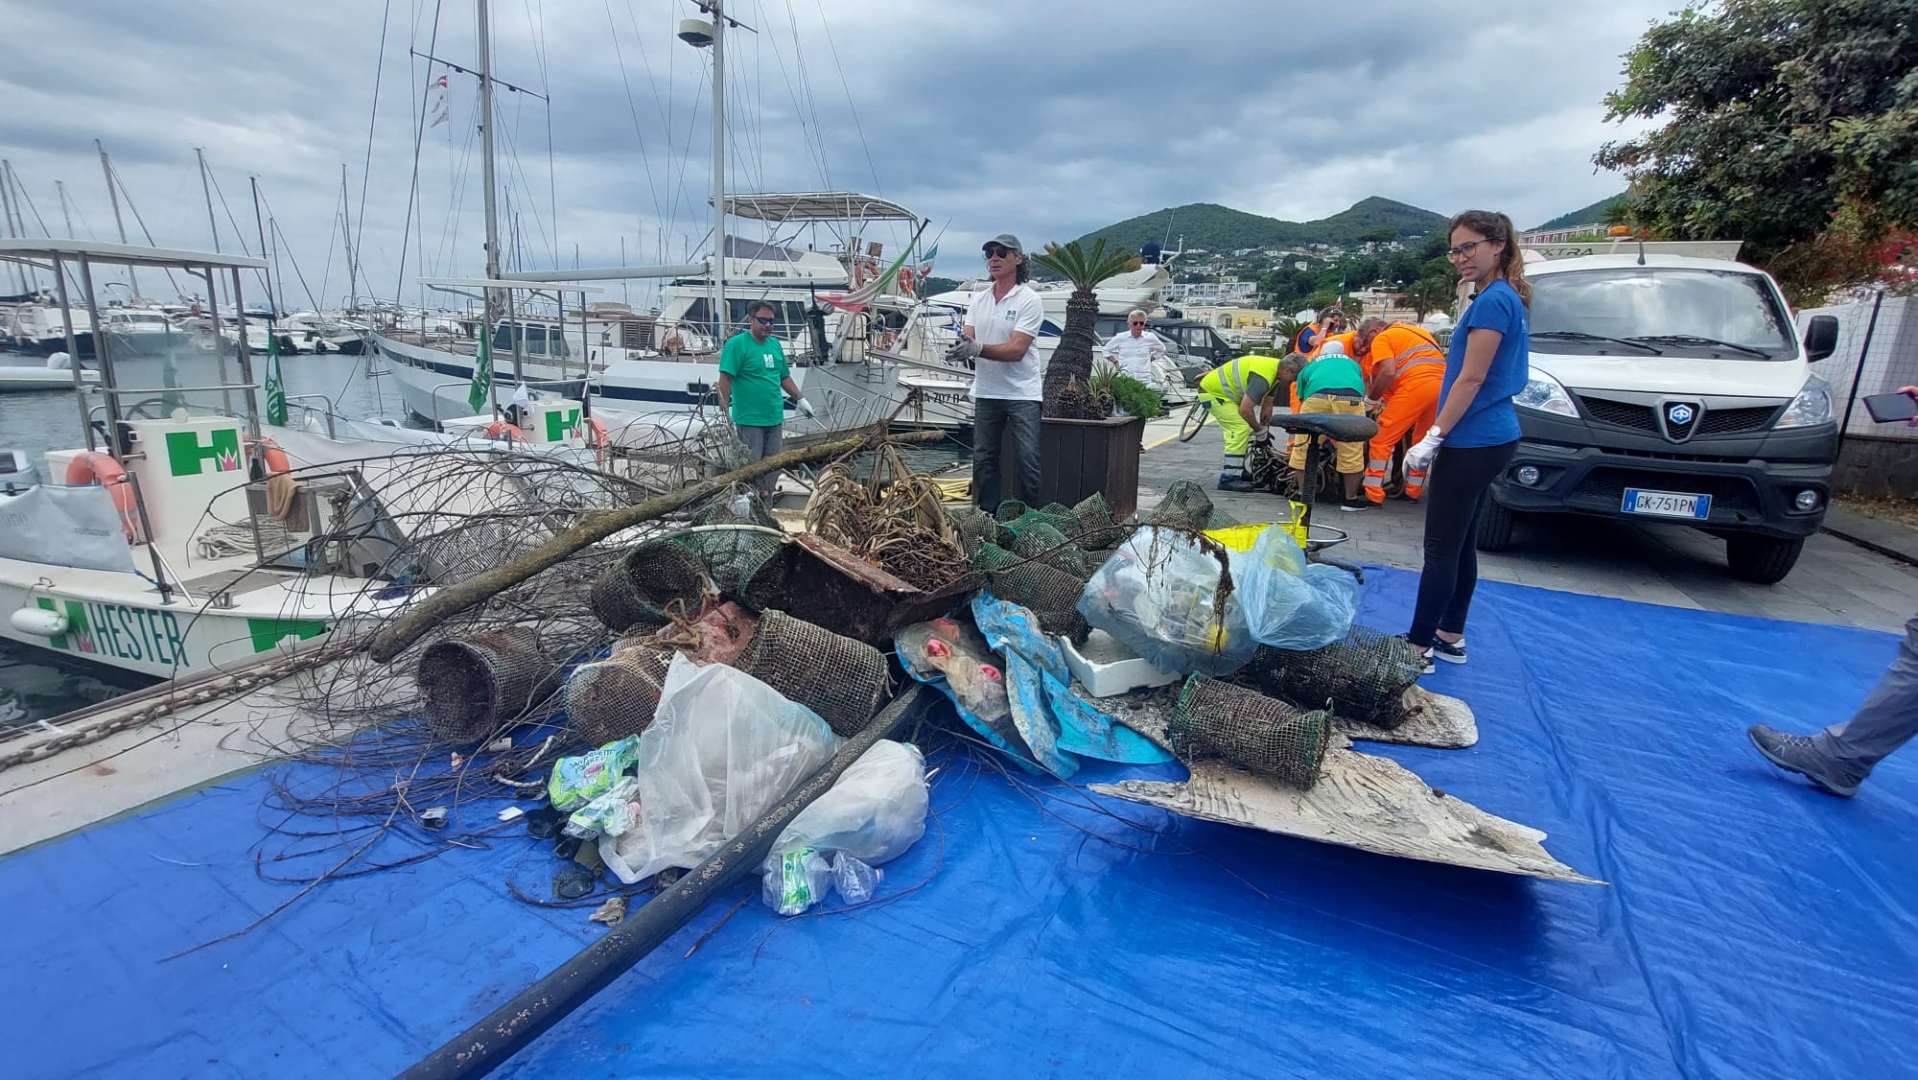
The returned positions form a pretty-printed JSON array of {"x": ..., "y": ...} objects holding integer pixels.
[
  {"x": 78, "y": 636},
  {"x": 561, "y": 423},
  {"x": 187, "y": 456}
]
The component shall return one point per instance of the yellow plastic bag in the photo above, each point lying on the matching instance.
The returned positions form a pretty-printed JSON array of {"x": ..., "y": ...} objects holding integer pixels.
[{"x": 1242, "y": 538}]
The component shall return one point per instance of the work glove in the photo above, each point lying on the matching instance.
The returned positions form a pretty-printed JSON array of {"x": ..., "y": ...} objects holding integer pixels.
[
  {"x": 1419, "y": 457},
  {"x": 964, "y": 351},
  {"x": 1263, "y": 436},
  {"x": 806, "y": 407}
]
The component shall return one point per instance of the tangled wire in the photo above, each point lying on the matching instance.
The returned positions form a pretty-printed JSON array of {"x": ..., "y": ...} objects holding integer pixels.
[{"x": 895, "y": 518}]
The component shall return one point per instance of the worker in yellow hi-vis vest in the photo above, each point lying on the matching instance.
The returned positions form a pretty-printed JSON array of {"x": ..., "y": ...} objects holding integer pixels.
[
  {"x": 1405, "y": 369},
  {"x": 1240, "y": 394}
]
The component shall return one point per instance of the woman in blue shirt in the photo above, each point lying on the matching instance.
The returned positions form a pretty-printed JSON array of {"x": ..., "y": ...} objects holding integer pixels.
[{"x": 1477, "y": 430}]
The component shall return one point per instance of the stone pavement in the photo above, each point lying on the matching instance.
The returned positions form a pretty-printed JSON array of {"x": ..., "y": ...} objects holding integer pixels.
[{"x": 1835, "y": 581}]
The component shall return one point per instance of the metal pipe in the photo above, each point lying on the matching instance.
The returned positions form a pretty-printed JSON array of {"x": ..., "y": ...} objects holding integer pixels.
[
  {"x": 73, "y": 349},
  {"x": 272, "y": 309},
  {"x": 60, "y": 186},
  {"x": 492, "y": 1040},
  {"x": 19, "y": 274},
  {"x": 106, "y": 170},
  {"x": 219, "y": 339},
  {"x": 605, "y": 273},
  {"x": 486, "y": 161},
  {"x": 246, "y": 359},
  {"x": 212, "y": 223},
  {"x": 719, "y": 174}
]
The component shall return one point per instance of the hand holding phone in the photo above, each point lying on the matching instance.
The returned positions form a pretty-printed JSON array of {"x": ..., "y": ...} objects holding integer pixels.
[{"x": 1902, "y": 405}]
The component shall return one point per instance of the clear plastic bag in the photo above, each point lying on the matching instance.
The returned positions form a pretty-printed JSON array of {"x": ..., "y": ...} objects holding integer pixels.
[
  {"x": 723, "y": 749},
  {"x": 873, "y": 813},
  {"x": 1290, "y": 604},
  {"x": 610, "y": 814},
  {"x": 1156, "y": 595},
  {"x": 854, "y": 880}
]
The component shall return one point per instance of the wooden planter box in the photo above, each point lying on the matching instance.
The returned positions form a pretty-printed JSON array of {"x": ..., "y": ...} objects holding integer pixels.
[{"x": 1079, "y": 457}]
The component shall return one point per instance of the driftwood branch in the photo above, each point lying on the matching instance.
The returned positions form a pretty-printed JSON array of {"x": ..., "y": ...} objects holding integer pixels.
[{"x": 593, "y": 527}]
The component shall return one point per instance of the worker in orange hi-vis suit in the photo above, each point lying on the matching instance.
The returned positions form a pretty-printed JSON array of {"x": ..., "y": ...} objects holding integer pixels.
[{"x": 1404, "y": 372}]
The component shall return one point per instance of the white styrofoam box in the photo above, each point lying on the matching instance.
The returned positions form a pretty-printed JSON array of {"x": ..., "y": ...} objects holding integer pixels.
[{"x": 1107, "y": 668}]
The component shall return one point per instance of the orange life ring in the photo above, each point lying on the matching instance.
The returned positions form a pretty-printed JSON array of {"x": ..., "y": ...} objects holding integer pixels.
[
  {"x": 94, "y": 467},
  {"x": 275, "y": 458},
  {"x": 905, "y": 279},
  {"x": 511, "y": 432}
]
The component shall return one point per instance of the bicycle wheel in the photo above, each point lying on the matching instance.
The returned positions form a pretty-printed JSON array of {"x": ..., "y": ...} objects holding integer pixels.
[{"x": 1194, "y": 419}]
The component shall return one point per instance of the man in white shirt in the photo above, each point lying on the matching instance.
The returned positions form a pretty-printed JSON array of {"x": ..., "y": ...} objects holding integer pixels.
[
  {"x": 1001, "y": 331},
  {"x": 1137, "y": 351}
]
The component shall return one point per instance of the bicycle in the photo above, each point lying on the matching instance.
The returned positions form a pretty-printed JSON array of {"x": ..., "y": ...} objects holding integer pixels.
[{"x": 1195, "y": 417}]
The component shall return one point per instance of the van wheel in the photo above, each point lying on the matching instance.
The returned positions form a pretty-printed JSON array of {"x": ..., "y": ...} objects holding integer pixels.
[
  {"x": 1763, "y": 559},
  {"x": 1495, "y": 524}
]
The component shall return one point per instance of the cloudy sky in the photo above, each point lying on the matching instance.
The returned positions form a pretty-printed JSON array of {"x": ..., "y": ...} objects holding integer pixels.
[{"x": 1043, "y": 118}]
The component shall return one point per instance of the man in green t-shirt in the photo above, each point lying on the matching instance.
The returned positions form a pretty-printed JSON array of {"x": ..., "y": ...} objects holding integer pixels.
[
  {"x": 1329, "y": 383},
  {"x": 753, "y": 385}
]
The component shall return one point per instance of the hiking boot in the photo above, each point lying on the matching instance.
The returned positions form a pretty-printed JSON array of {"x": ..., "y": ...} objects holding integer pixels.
[{"x": 1799, "y": 754}]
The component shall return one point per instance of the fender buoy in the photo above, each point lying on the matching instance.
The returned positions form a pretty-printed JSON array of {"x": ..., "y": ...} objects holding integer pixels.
[
  {"x": 94, "y": 467},
  {"x": 500, "y": 428},
  {"x": 270, "y": 452}
]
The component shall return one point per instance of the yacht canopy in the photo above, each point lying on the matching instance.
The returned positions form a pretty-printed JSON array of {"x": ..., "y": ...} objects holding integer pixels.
[
  {"x": 45, "y": 250},
  {"x": 817, "y": 206}
]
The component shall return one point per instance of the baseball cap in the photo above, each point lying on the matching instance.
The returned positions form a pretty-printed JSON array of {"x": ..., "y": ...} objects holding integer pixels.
[{"x": 1004, "y": 239}]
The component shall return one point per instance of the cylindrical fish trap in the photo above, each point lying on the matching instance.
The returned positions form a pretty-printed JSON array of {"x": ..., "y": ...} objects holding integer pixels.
[
  {"x": 616, "y": 697},
  {"x": 732, "y": 554},
  {"x": 974, "y": 527},
  {"x": 654, "y": 578},
  {"x": 1050, "y": 593},
  {"x": 1261, "y": 735},
  {"x": 1096, "y": 532},
  {"x": 841, "y": 679},
  {"x": 1364, "y": 677},
  {"x": 1047, "y": 544},
  {"x": 477, "y": 684}
]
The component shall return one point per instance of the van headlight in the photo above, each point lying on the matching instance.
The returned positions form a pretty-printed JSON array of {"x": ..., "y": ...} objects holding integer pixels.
[
  {"x": 1542, "y": 392},
  {"x": 1811, "y": 407}
]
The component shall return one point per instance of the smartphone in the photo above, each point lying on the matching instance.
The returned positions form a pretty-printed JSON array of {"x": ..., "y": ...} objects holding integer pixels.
[{"x": 1885, "y": 408}]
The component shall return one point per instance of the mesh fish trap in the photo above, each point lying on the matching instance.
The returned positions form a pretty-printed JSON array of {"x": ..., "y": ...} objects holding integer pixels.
[
  {"x": 1056, "y": 517},
  {"x": 1009, "y": 509},
  {"x": 653, "y": 578},
  {"x": 739, "y": 504},
  {"x": 974, "y": 527},
  {"x": 841, "y": 679},
  {"x": 1364, "y": 677},
  {"x": 1261, "y": 735},
  {"x": 1096, "y": 522},
  {"x": 1050, "y": 546},
  {"x": 475, "y": 685},
  {"x": 1185, "y": 506},
  {"x": 731, "y": 555},
  {"x": 1051, "y": 593},
  {"x": 616, "y": 697}
]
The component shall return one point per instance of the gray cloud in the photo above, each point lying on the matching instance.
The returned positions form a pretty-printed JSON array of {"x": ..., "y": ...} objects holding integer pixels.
[{"x": 1047, "y": 119}]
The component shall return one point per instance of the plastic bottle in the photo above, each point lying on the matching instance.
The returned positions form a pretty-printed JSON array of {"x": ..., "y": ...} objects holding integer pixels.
[
  {"x": 855, "y": 880},
  {"x": 796, "y": 881}
]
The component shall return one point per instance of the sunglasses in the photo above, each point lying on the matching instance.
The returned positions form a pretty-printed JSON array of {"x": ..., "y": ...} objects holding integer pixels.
[
  {"x": 996, "y": 251},
  {"x": 767, "y": 319}
]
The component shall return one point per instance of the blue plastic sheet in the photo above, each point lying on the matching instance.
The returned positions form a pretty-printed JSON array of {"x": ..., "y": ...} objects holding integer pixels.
[{"x": 1753, "y": 927}]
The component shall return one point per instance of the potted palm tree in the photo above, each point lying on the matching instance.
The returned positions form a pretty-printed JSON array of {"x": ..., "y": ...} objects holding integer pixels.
[{"x": 1083, "y": 447}]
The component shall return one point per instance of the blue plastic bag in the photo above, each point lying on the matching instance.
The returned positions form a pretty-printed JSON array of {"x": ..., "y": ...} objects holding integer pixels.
[{"x": 1290, "y": 604}]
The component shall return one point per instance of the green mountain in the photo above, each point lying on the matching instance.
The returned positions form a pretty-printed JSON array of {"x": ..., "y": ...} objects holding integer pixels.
[
  {"x": 1216, "y": 228},
  {"x": 1589, "y": 215}
]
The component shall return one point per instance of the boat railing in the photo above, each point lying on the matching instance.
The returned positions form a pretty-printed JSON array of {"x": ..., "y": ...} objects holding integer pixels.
[{"x": 327, "y": 411}]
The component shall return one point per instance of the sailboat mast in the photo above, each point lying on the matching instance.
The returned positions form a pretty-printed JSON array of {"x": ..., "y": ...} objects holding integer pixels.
[
  {"x": 346, "y": 240},
  {"x": 212, "y": 223},
  {"x": 719, "y": 173},
  {"x": 61, "y": 187},
  {"x": 486, "y": 159},
  {"x": 106, "y": 170}
]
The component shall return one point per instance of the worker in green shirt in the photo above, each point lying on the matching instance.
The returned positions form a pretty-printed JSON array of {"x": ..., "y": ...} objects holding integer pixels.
[
  {"x": 1330, "y": 382},
  {"x": 753, "y": 385}
]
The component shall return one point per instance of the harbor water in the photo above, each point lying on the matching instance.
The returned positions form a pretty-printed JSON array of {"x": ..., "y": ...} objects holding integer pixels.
[{"x": 33, "y": 684}]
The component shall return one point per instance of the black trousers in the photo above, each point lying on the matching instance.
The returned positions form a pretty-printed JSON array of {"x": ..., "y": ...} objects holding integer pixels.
[
  {"x": 992, "y": 420},
  {"x": 1454, "y": 496}
]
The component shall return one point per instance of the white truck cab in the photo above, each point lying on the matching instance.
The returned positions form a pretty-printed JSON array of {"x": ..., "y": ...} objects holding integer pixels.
[{"x": 1672, "y": 389}]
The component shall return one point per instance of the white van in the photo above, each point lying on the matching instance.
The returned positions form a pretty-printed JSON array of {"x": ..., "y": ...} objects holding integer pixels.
[{"x": 1672, "y": 389}]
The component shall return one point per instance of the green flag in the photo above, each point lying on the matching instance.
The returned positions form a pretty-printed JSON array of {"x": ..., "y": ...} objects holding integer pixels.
[
  {"x": 482, "y": 388},
  {"x": 275, "y": 387}
]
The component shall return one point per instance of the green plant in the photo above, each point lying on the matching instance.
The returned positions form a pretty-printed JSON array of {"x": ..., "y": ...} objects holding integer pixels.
[
  {"x": 1069, "y": 372},
  {"x": 1285, "y": 330},
  {"x": 1135, "y": 397}
]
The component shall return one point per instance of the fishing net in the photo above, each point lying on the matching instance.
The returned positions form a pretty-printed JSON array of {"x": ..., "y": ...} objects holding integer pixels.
[
  {"x": 1364, "y": 677},
  {"x": 1261, "y": 735},
  {"x": 1049, "y": 592},
  {"x": 841, "y": 679},
  {"x": 616, "y": 697},
  {"x": 1187, "y": 506},
  {"x": 739, "y": 504},
  {"x": 1050, "y": 546},
  {"x": 1056, "y": 517},
  {"x": 974, "y": 527},
  {"x": 477, "y": 684},
  {"x": 732, "y": 554},
  {"x": 656, "y": 577},
  {"x": 1096, "y": 523},
  {"x": 1009, "y": 509}
]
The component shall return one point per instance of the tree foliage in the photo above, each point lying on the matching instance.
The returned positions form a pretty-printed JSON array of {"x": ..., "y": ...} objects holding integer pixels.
[
  {"x": 1789, "y": 124},
  {"x": 1069, "y": 372}
]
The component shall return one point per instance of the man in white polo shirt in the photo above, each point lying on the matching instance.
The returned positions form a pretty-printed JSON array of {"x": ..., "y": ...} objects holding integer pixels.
[{"x": 1002, "y": 327}]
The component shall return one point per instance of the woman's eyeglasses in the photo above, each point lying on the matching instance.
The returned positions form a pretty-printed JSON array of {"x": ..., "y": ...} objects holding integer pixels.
[{"x": 1464, "y": 251}]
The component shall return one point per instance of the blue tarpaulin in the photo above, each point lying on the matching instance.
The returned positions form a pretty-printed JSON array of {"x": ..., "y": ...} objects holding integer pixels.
[{"x": 1753, "y": 927}]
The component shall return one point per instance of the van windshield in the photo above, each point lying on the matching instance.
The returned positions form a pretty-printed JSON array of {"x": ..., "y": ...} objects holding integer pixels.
[{"x": 1646, "y": 311}]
